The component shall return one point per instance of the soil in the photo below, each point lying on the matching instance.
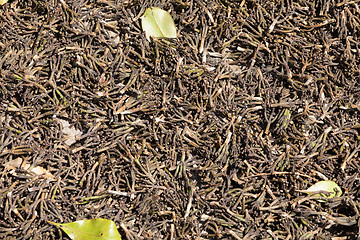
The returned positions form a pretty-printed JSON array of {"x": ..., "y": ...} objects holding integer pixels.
[{"x": 212, "y": 135}]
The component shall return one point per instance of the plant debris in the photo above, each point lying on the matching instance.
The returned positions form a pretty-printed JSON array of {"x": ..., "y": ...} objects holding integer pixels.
[
  {"x": 209, "y": 135},
  {"x": 71, "y": 134},
  {"x": 21, "y": 165}
]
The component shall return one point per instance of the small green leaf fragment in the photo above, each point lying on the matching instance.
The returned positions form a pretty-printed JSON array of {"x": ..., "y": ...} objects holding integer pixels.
[
  {"x": 158, "y": 23},
  {"x": 287, "y": 117},
  {"x": 94, "y": 229},
  {"x": 328, "y": 189}
]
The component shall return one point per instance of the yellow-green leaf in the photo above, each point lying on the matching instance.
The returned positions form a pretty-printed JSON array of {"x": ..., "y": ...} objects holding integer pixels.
[
  {"x": 158, "y": 23},
  {"x": 94, "y": 229},
  {"x": 328, "y": 189},
  {"x": 2, "y": 2}
]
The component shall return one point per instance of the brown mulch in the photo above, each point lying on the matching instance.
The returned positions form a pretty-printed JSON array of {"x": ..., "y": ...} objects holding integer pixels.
[{"x": 208, "y": 136}]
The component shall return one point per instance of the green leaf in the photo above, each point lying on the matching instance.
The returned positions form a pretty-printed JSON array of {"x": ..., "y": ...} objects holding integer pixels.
[
  {"x": 94, "y": 229},
  {"x": 158, "y": 23},
  {"x": 328, "y": 189}
]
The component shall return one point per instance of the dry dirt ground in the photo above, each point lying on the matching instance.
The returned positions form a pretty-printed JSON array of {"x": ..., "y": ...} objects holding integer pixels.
[{"x": 212, "y": 135}]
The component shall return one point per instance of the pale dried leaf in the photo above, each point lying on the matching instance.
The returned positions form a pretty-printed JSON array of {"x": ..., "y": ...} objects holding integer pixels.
[
  {"x": 71, "y": 133},
  {"x": 19, "y": 163},
  {"x": 12, "y": 165}
]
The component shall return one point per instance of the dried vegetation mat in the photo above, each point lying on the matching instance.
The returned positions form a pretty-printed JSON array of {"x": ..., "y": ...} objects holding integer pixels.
[{"x": 212, "y": 135}]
